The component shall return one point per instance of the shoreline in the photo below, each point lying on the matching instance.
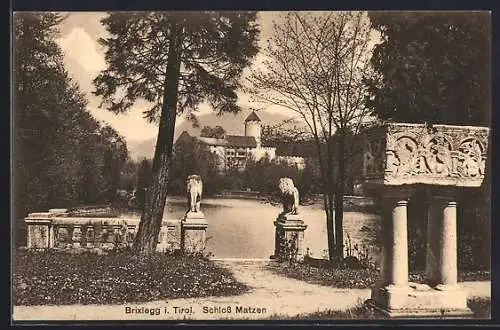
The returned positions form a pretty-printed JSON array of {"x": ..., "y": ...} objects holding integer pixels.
[{"x": 351, "y": 203}]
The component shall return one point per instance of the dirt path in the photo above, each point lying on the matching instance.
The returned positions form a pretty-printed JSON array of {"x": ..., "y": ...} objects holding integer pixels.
[{"x": 270, "y": 294}]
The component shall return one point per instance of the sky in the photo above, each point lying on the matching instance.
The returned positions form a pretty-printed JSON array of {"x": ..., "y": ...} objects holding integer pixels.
[{"x": 84, "y": 59}]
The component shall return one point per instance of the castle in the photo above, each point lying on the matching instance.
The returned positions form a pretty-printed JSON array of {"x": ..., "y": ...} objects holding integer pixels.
[{"x": 233, "y": 151}]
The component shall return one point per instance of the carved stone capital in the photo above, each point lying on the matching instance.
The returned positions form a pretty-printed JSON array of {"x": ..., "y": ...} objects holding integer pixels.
[{"x": 399, "y": 154}]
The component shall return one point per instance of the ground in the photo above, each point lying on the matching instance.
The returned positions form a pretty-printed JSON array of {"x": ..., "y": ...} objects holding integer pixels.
[{"x": 276, "y": 294}]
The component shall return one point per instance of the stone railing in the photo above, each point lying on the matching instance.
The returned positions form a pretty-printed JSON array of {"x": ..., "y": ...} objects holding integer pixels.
[{"x": 60, "y": 229}]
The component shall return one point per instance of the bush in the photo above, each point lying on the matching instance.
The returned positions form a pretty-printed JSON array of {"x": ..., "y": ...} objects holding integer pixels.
[
  {"x": 61, "y": 278},
  {"x": 481, "y": 308},
  {"x": 352, "y": 275},
  {"x": 339, "y": 277}
]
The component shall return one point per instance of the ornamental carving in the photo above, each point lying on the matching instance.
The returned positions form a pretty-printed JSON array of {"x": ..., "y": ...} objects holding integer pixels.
[{"x": 415, "y": 153}]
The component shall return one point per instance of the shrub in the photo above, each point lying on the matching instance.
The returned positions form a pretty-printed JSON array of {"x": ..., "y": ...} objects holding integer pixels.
[
  {"x": 339, "y": 277},
  {"x": 481, "y": 308},
  {"x": 60, "y": 278}
]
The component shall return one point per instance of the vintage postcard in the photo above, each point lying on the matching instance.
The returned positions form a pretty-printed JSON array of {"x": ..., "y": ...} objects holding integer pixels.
[{"x": 234, "y": 165}]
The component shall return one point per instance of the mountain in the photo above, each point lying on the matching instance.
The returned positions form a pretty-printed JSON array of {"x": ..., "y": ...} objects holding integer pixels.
[{"x": 234, "y": 124}]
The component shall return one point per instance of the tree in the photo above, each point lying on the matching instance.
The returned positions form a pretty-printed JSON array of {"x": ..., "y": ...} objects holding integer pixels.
[
  {"x": 287, "y": 131},
  {"x": 217, "y": 132},
  {"x": 174, "y": 61},
  {"x": 432, "y": 67},
  {"x": 315, "y": 66},
  {"x": 61, "y": 155}
]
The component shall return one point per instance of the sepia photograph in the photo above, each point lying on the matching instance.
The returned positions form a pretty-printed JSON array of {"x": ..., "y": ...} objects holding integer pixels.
[{"x": 250, "y": 165}]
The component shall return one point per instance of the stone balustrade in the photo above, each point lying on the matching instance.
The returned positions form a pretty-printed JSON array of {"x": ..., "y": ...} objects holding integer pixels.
[{"x": 57, "y": 229}]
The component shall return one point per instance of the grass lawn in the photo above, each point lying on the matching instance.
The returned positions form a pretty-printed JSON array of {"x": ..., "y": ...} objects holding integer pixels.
[
  {"x": 352, "y": 278},
  {"x": 481, "y": 307},
  {"x": 62, "y": 278}
]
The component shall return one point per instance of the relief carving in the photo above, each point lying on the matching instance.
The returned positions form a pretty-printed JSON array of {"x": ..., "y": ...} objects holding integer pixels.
[{"x": 413, "y": 151}]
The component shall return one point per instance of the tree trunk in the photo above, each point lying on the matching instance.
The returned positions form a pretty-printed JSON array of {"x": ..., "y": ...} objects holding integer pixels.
[
  {"x": 339, "y": 201},
  {"x": 329, "y": 210},
  {"x": 152, "y": 215},
  {"x": 329, "y": 205}
]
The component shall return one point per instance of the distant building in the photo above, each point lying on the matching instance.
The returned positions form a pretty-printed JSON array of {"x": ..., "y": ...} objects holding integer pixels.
[{"x": 233, "y": 151}]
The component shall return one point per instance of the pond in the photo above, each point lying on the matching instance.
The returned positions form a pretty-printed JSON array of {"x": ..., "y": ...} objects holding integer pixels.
[{"x": 244, "y": 228}]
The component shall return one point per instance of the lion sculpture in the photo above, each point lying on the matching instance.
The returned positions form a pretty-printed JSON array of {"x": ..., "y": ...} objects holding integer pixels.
[
  {"x": 194, "y": 190},
  {"x": 289, "y": 196}
]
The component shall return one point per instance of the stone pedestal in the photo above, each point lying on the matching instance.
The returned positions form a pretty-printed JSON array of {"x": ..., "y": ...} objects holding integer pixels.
[
  {"x": 40, "y": 233},
  {"x": 289, "y": 237},
  {"x": 401, "y": 160},
  {"x": 193, "y": 232}
]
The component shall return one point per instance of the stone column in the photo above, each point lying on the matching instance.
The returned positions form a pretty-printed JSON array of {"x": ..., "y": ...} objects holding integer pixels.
[
  {"x": 395, "y": 247},
  {"x": 448, "y": 246},
  {"x": 441, "y": 267}
]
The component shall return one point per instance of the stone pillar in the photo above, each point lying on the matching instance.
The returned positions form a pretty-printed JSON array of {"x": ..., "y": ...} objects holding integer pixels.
[
  {"x": 39, "y": 233},
  {"x": 391, "y": 291},
  {"x": 395, "y": 242},
  {"x": 289, "y": 237},
  {"x": 441, "y": 266},
  {"x": 193, "y": 232},
  {"x": 448, "y": 253}
]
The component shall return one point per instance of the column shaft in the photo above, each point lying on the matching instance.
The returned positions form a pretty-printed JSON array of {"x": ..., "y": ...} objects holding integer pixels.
[
  {"x": 441, "y": 260},
  {"x": 448, "y": 247},
  {"x": 395, "y": 248}
]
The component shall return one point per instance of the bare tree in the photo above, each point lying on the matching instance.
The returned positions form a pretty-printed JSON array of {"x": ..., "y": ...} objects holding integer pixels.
[{"x": 315, "y": 66}]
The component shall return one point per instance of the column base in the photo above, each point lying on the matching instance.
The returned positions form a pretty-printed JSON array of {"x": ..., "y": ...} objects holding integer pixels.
[{"x": 419, "y": 301}]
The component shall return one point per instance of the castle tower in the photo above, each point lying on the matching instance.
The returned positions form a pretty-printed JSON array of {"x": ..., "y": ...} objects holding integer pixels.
[{"x": 253, "y": 127}]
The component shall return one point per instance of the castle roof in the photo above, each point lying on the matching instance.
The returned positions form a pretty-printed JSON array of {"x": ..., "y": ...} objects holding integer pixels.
[
  {"x": 241, "y": 141},
  {"x": 252, "y": 117},
  {"x": 231, "y": 141}
]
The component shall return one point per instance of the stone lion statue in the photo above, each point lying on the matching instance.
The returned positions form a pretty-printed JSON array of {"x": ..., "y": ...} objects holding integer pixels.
[
  {"x": 289, "y": 196},
  {"x": 194, "y": 190}
]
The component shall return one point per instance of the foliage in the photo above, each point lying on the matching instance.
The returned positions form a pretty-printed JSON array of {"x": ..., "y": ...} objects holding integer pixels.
[
  {"x": 192, "y": 157},
  {"x": 339, "y": 277},
  {"x": 128, "y": 177},
  {"x": 60, "y": 278},
  {"x": 217, "y": 132},
  {"x": 432, "y": 67},
  {"x": 321, "y": 271},
  {"x": 62, "y": 155},
  {"x": 215, "y": 48},
  {"x": 357, "y": 256},
  {"x": 287, "y": 131},
  {"x": 481, "y": 308},
  {"x": 315, "y": 66},
  {"x": 263, "y": 175},
  {"x": 359, "y": 312},
  {"x": 174, "y": 61}
]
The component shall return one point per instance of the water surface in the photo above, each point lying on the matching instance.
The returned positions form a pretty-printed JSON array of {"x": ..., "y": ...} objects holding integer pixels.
[{"x": 244, "y": 228}]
